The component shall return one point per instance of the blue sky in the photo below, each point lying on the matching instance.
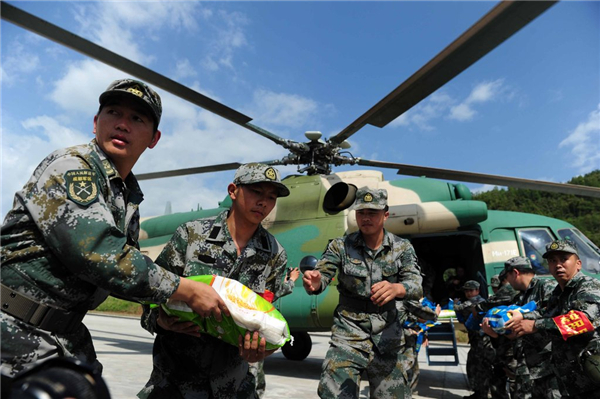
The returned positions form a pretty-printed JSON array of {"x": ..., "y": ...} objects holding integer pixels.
[{"x": 530, "y": 108}]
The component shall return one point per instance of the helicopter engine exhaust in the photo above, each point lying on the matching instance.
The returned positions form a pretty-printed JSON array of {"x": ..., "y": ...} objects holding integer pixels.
[{"x": 339, "y": 197}]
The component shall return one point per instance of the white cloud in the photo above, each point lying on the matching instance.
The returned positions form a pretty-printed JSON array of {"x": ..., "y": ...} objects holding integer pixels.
[
  {"x": 283, "y": 109},
  {"x": 17, "y": 60},
  {"x": 184, "y": 69},
  {"x": 584, "y": 142},
  {"x": 483, "y": 92},
  {"x": 422, "y": 115},
  {"x": 462, "y": 112}
]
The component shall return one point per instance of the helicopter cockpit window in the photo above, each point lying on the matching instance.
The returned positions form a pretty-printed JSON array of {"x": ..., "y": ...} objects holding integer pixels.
[
  {"x": 589, "y": 253},
  {"x": 534, "y": 245}
]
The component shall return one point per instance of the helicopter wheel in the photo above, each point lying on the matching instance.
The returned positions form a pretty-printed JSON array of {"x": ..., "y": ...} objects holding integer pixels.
[{"x": 301, "y": 348}]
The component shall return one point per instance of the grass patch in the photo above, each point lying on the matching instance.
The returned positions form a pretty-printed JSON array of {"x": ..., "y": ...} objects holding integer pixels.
[{"x": 115, "y": 305}]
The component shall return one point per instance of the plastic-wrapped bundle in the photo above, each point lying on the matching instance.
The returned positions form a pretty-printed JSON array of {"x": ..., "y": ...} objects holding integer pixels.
[
  {"x": 249, "y": 312},
  {"x": 500, "y": 315}
]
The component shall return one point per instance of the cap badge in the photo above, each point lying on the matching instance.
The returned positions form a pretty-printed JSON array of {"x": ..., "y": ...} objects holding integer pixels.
[
  {"x": 368, "y": 197},
  {"x": 554, "y": 246},
  {"x": 270, "y": 174},
  {"x": 136, "y": 90}
]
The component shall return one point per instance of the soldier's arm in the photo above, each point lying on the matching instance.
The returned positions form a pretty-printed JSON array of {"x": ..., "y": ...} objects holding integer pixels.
[
  {"x": 172, "y": 258},
  {"x": 409, "y": 272},
  {"x": 275, "y": 282},
  {"x": 420, "y": 311},
  {"x": 329, "y": 263},
  {"x": 86, "y": 239}
]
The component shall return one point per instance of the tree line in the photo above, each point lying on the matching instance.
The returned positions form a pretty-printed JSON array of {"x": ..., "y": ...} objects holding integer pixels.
[{"x": 581, "y": 212}]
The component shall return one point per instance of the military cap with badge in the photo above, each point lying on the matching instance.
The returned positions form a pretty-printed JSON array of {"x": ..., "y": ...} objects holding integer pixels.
[
  {"x": 370, "y": 198},
  {"x": 252, "y": 173},
  {"x": 139, "y": 91},
  {"x": 561, "y": 246}
]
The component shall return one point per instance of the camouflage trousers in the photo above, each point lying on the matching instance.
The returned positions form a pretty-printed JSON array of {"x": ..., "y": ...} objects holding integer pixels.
[
  {"x": 198, "y": 368},
  {"x": 542, "y": 387},
  {"x": 24, "y": 346},
  {"x": 412, "y": 359},
  {"x": 479, "y": 363},
  {"x": 386, "y": 373},
  {"x": 258, "y": 371}
]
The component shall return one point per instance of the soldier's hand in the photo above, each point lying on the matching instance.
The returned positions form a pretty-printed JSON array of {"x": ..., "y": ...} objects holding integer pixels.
[
  {"x": 252, "y": 347},
  {"x": 524, "y": 327},
  {"x": 384, "y": 291},
  {"x": 485, "y": 326},
  {"x": 172, "y": 323},
  {"x": 515, "y": 318},
  {"x": 294, "y": 274},
  {"x": 201, "y": 298},
  {"x": 311, "y": 280}
]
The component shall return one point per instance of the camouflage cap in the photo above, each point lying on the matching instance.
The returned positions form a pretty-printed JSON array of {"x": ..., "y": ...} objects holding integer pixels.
[
  {"x": 495, "y": 281},
  {"x": 138, "y": 91},
  {"x": 470, "y": 285},
  {"x": 370, "y": 198},
  {"x": 252, "y": 173},
  {"x": 518, "y": 262},
  {"x": 561, "y": 246}
]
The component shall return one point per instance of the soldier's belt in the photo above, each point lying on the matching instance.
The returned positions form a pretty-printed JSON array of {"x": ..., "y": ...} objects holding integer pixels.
[
  {"x": 365, "y": 305},
  {"x": 44, "y": 317}
]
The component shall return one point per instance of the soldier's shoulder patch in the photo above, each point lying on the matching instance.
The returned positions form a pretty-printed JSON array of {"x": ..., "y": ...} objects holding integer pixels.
[{"x": 82, "y": 186}]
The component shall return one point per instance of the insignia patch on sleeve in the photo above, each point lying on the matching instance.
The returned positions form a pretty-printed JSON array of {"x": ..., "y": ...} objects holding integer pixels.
[{"x": 82, "y": 186}]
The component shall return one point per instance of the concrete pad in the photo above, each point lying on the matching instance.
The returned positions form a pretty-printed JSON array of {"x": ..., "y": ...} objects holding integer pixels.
[{"x": 125, "y": 350}]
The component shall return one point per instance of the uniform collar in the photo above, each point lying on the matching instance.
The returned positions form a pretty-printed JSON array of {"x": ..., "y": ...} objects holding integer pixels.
[
  {"x": 359, "y": 240},
  {"x": 219, "y": 233},
  {"x": 111, "y": 172}
]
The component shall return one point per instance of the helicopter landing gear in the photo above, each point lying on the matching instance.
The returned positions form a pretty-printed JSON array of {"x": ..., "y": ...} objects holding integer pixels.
[{"x": 301, "y": 348}]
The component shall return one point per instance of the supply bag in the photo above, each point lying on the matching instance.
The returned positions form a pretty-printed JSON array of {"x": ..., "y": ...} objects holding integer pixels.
[
  {"x": 500, "y": 315},
  {"x": 249, "y": 312}
]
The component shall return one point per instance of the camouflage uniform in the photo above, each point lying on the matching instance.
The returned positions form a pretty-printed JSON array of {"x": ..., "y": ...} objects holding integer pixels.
[
  {"x": 533, "y": 351},
  {"x": 368, "y": 339},
  {"x": 504, "y": 359},
  {"x": 415, "y": 312},
  {"x": 257, "y": 368},
  {"x": 186, "y": 366},
  {"x": 72, "y": 252},
  {"x": 481, "y": 353},
  {"x": 581, "y": 293}
]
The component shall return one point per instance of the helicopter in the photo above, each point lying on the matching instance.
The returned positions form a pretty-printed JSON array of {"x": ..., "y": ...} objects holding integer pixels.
[{"x": 430, "y": 212}]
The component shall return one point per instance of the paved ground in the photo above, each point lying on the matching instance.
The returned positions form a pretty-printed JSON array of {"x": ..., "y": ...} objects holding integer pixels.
[{"x": 125, "y": 349}]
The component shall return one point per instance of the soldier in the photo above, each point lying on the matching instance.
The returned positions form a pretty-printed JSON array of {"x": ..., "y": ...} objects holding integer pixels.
[
  {"x": 417, "y": 314},
  {"x": 503, "y": 368},
  {"x": 481, "y": 354},
  {"x": 257, "y": 368},
  {"x": 71, "y": 238},
  {"x": 571, "y": 320},
  {"x": 375, "y": 268},
  {"x": 232, "y": 244},
  {"x": 533, "y": 377}
]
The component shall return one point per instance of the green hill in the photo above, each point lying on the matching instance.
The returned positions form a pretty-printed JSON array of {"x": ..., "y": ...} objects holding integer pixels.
[{"x": 582, "y": 212}]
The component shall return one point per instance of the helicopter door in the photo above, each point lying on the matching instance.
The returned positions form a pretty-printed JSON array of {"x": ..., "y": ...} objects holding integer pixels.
[{"x": 441, "y": 256}]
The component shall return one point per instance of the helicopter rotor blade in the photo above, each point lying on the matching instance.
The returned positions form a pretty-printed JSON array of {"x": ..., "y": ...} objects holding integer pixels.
[
  {"x": 495, "y": 27},
  {"x": 196, "y": 170},
  {"x": 470, "y": 177},
  {"x": 86, "y": 47}
]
